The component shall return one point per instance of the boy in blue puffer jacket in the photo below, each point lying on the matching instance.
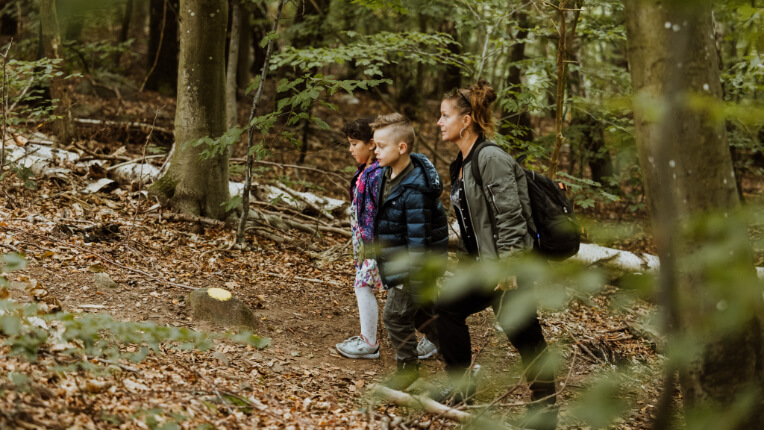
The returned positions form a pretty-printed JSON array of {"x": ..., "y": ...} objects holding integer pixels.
[{"x": 412, "y": 236}]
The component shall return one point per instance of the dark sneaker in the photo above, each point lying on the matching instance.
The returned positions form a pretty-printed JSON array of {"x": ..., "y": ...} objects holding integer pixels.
[{"x": 407, "y": 373}]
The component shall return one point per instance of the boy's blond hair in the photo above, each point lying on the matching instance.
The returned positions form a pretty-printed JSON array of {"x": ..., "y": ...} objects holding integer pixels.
[{"x": 401, "y": 129}]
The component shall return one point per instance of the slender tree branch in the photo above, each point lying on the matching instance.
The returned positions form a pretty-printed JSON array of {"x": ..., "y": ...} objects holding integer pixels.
[{"x": 240, "y": 233}]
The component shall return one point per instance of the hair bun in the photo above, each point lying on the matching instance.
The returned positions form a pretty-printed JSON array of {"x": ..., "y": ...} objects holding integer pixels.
[{"x": 483, "y": 92}]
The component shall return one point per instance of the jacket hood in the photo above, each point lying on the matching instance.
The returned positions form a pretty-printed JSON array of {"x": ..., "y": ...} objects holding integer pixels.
[{"x": 426, "y": 177}]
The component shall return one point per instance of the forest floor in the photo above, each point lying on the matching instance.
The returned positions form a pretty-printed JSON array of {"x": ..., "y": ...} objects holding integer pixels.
[{"x": 301, "y": 292}]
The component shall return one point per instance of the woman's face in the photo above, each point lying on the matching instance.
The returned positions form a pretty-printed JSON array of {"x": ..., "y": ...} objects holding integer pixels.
[
  {"x": 451, "y": 121},
  {"x": 361, "y": 150}
]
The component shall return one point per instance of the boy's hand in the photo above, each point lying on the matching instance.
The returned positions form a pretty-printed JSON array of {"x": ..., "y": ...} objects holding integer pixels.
[{"x": 507, "y": 284}]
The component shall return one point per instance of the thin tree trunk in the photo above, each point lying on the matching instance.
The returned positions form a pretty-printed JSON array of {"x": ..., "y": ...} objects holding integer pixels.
[
  {"x": 687, "y": 171},
  {"x": 564, "y": 41},
  {"x": 240, "y": 232},
  {"x": 233, "y": 59},
  {"x": 245, "y": 48},
  {"x": 125, "y": 28},
  {"x": 162, "y": 65},
  {"x": 522, "y": 119},
  {"x": 51, "y": 40}
]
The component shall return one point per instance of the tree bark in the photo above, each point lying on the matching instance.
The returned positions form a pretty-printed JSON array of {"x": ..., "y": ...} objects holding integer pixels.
[
  {"x": 194, "y": 185},
  {"x": 687, "y": 172},
  {"x": 125, "y": 28},
  {"x": 51, "y": 40},
  {"x": 245, "y": 48},
  {"x": 231, "y": 69},
  {"x": 522, "y": 119},
  {"x": 162, "y": 65}
]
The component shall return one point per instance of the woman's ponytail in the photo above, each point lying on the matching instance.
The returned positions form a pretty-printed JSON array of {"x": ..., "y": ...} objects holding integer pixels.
[
  {"x": 476, "y": 101},
  {"x": 482, "y": 95}
]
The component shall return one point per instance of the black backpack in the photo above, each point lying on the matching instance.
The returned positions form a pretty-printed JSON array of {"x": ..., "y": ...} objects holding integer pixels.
[{"x": 557, "y": 235}]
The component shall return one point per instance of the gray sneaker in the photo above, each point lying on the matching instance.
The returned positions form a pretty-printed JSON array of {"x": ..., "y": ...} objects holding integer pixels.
[
  {"x": 425, "y": 349},
  {"x": 356, "y": 347}
]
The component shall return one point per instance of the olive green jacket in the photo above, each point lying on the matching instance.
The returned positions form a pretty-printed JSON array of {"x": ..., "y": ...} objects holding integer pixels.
[{"x": 500, "y": 211}]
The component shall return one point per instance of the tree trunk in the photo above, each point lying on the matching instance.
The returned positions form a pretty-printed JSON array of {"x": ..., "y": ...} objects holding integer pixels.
[
  {"x": 162, "y": 65},
  {"x": 245, "y": 49},
  {"x": 125, "y": 28},
  {"x": 9, "y": 24},
  {"x": 453, "y": 75},
  {"x": 195, "y": 185},
  {"x": 521, "y": 120},
  {"x": 231, "y": 69},
  {"x": 51, "y": 40},
  {"x": 687, "y": 171},
  {"x": 259, "y": 31}
]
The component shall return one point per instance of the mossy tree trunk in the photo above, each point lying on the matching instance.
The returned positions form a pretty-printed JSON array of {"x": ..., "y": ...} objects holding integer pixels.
[
  {"x": 687, "y": 171},
  {"x": 196, "y": 185},
  {"x": 50, "y": 36}
]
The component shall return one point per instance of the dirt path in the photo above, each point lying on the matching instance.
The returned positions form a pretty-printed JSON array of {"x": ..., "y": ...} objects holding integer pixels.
[{"x": 299, "y": 381}]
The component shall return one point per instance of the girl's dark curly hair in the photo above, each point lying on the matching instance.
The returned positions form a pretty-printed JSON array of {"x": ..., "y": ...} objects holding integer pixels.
[{"x": 359, "y": 129}]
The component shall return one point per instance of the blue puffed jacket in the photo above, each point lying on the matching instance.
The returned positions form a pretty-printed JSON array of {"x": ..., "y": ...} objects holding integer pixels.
[{"x": 412, "y": 222}]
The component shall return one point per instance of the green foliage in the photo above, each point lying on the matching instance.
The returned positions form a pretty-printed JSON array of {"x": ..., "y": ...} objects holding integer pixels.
[
  {"x": 371, "y": 53},
  {"x": 394, "y": 6}
]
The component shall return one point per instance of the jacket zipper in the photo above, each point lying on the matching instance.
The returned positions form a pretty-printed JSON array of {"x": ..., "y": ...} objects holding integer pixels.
[
  {"x": 493, "y": 198},
  {"x": 469, "y": 212}
]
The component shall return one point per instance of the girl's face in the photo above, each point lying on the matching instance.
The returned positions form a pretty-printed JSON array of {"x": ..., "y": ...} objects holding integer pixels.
[
  {"x": 360, "y": 150},
  {"x": 451, "y": 122}
]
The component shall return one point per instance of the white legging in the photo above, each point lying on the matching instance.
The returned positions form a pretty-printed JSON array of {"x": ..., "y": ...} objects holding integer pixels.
[{"x": 368, "y": 310}]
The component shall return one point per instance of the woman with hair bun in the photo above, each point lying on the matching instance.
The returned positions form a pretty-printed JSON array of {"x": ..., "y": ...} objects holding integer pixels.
[{"x": 493, "y": 222}]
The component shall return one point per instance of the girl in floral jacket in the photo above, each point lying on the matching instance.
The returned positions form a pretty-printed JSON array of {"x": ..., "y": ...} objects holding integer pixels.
[{"x": 363, "y": 194}]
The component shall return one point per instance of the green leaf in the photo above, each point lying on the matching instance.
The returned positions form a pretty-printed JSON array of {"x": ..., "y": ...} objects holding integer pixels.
[{"x": 13, "y": 261}]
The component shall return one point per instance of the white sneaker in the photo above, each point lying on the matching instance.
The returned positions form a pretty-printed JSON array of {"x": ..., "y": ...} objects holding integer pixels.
[
  {"x": 356, "y": 347},
  {"x": 425, "y": 349}
]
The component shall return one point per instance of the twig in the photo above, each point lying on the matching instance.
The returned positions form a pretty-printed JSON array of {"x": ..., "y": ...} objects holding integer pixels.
[
  {"x": 216, "y": 391},
  {"x": 139, "y": 125},
  {"x": 4, "y": 102},
  {"x": 135, "y": 161},
  {"x": 240, "y": 233},
  {"x": 114, "y": 363},
  {"x": 293, "y": 166},
  {"x": 159, "y": 48},
  {"x": 318, "y": 281},
  {"x": 298, "y": 196}
]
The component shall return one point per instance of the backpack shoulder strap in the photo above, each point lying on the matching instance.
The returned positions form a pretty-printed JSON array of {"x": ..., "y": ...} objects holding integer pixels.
[{"x": 475, "y": 165}]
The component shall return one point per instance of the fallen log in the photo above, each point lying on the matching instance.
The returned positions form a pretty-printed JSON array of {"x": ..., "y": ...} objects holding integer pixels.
[{"x": 420, "y": 402}]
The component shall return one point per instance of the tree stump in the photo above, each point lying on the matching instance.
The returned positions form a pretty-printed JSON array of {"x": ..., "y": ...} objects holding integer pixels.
[{"x": 219, "y": 306}]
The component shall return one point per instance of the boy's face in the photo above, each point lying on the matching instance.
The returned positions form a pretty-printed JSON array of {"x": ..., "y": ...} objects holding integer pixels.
[{"x": 388, "y": 151}]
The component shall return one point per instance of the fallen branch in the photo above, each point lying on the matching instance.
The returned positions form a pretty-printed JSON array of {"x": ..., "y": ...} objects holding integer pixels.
[
  {"x": 296, "y": 195},
  {"x": 319, "y": 281},
  {"x": 291, "y": 166},
  {"x": 420, "y": 402},
  {"x": 146, "y": 128}
]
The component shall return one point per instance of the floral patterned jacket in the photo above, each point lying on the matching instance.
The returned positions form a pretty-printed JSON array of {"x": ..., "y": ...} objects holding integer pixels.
[{"x": 367, "y": 180}]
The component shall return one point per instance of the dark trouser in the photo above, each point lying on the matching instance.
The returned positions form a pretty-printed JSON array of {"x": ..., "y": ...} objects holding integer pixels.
[
  {"x": 402, "y": 318},
  {"x": 525, "y": 335}
]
